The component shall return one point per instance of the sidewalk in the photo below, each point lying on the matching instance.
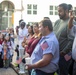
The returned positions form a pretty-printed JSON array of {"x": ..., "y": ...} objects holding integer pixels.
[
  {"x": 16, "y": 68},
  {"x": 8, "y": 71}
]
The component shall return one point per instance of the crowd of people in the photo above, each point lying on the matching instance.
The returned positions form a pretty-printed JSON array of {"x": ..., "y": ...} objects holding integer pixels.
[
  {"x": 51, "y": 48},
  {"x": 6, "y": 47}
]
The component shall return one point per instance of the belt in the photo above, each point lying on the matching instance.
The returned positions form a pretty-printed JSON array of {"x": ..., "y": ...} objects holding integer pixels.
[{"x": 44, "y": 72}]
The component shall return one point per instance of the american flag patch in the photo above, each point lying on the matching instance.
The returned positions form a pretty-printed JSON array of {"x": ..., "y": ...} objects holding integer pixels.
[
  {"x": 19, "y": 61},
  {"x": 67, "y": 57},
  {"x": 44, "y": 45}
]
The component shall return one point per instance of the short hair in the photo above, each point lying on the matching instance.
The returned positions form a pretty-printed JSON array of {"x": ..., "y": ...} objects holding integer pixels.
[
  {"x": 20, "y": 21},
  {"x": 32, "y": 29},
  {"x": 48, "y": 23},
  {"x": 69, "y": 7},
  {"x": 64, "y": 6},
  {"x": 36, "y": 24},
  {"x": 46, "y": 18}
]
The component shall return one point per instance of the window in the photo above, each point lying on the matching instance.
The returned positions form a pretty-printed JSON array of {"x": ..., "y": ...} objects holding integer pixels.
[
  {"x": 75, "y": 11},
  {"x": 29, "y": 6},
  {"x": 31, "y": 9},
  {"x": 56, "y": 11},
  {"x": 34, "y": 6},
  {"x": 53, "y": 10},
  {"x": 32, "y": 23},
  {"x": 51, "y": 7},
  {"x": 6, "y": 11},
  {"x": 34, "y": 12},
  {"x": 34, "y": 9},
  {"x": 0, "y": 6}
]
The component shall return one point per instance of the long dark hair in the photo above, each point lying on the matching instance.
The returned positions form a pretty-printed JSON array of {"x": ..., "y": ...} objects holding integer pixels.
[
  {"x": 9, "y": 39},
  {"x": 32, "y": 29}
]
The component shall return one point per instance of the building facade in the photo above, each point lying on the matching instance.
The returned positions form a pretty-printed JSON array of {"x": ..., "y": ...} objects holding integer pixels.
[{"x": 11, "y": 11}]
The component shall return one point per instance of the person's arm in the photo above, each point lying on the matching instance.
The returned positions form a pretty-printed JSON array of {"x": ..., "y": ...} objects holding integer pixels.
[
  {"x": 12, "y": 45},
  {"x": 70, "y": 24},
  {"x": 41, "y": 63}
]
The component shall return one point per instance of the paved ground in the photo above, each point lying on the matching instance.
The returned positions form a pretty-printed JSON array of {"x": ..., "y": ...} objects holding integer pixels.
[
  {"x": 8, "y": 71},
  {"x": 15, "y": 54}
]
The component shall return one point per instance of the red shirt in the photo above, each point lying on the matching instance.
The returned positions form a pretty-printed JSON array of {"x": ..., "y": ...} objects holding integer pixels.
[
  {"x": 31, "y": 45},
  {"x": 1, "y": 41}
]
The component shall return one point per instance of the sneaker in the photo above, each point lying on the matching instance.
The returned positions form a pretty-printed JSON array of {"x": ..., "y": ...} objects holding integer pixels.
[
  {"x": 15, "y": 64},
  {"x": 21, "y": 72}
]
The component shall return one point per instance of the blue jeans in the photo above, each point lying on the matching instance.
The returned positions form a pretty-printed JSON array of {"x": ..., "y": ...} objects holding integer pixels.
[
  {"x": 74, "y": 68},
  {"x": 39, "y": 72},
  {"x": 64, "y": 66}
]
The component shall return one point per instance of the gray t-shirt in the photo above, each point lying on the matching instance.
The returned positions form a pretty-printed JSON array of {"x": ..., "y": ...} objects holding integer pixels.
[{"x": 62, "y": 33}]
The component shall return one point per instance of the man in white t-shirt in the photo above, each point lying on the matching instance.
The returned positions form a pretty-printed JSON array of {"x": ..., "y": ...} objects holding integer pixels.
[{"x": 23, "y": 31}]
